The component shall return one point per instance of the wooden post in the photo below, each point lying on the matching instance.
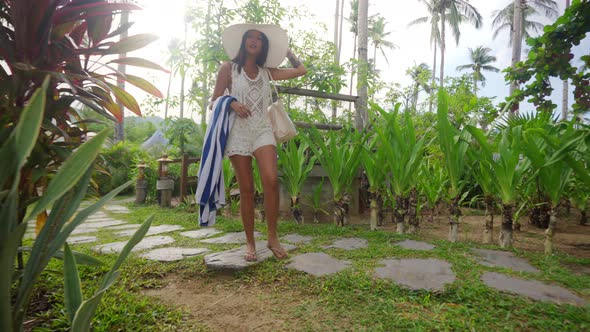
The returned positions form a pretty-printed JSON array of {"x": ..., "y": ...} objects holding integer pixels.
[{"x": 183, "y": 177}]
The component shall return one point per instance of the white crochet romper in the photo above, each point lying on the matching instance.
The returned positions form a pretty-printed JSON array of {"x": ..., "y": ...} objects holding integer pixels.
[{"x": 255, "y": 131}]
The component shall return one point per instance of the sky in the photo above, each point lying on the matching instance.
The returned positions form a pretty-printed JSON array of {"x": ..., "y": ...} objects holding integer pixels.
[{"x": 414, "y": 46}]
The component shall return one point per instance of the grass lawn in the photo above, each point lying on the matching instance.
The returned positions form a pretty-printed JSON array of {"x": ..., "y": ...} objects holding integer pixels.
[{"x": 269, "y": 297}]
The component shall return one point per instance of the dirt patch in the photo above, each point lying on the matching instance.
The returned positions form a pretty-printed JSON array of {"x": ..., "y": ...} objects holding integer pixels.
[{"x": 223, "y": 303}]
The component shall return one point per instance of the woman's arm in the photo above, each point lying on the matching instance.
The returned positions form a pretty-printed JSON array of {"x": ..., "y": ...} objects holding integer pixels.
[
  {"x": 223, "y": 81},
  {"x": 287, "y": 73}
]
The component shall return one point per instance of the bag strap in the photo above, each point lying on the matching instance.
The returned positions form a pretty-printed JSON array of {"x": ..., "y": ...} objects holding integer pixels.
[{"x": 272, "y": 85}]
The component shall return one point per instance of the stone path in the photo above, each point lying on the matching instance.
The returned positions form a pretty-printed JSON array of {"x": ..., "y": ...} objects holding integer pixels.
[
  {"x": 318, "y": 264},
  {"x": 234, "y": 259},
  {"x": 173, "y": 253},
  {"x": 425, "y": 274},
  {"x": 496, "y": 258},
  {"x": 415, "y": 245},
  {"x": 531, "y": 288},
  {"x": 348, "y": 244},
  {"x": 231, "y": 238},
  {"x": 430, "y": 274}
]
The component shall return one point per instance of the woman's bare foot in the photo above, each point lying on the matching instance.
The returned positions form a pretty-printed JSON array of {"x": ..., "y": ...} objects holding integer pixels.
[
  {"x": 277, "y": 250},
  {"x": 250, "y": 255}
]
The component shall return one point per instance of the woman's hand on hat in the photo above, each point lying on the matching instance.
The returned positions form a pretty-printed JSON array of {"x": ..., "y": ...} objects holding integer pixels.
[{"x": 241, "y": 110}]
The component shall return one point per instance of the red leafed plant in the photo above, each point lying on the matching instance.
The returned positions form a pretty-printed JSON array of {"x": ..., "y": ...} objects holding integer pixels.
[{"x": 77, "y": 43}]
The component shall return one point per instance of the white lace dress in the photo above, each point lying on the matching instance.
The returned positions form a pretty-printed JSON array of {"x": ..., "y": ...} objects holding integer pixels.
[{"x": 255, "y": 131}]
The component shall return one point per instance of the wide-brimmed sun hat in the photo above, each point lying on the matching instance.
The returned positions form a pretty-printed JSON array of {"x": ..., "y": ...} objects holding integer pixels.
[{"x": 278, "y": 42}]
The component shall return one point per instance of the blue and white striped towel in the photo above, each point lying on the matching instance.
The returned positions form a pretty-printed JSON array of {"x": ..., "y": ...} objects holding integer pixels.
[{"x": 210, "y": 188}]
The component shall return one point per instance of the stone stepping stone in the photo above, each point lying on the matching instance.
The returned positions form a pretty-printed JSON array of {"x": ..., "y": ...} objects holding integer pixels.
[
  {"x": 101, "y": 224},
  {"x": 123, "y": 227},
  {"x": 116, "y": 208},
  {"x": 531, "y": 288},
  {"x": 84, "y": 230},
  {"x": 154, "y": 230},
  {"x": 98, "y": 219},
  {"x": 318, "y": 264},
  {"x": 201, "y": 233},
  {"x": 496, "y": 258},
  {"x": 415, "y": 245},
  {"x": 349, "y": 244},
  {"x": 237, "y": 237},
  {"x": 81, "y": 239},
  {"x": 429, "y": 274},
  {"x": 146, "y": 243},
  {"x": 173, "y": 254},
  {"x": 296, "y": 238},
  {"x": 234, "y": 259}
]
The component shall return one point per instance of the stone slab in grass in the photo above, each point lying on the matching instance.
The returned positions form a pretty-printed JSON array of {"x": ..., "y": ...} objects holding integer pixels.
[
  {"x": 233, "y": 260},
  {"x": 415, "y": 245},
  {"x": 428, "y": 274},
  {"x": 201, "y": 233},
  {"x": 154, "y": 230},
  {"x": 100, "y": 224},
  {"x": 116, "y": 209},
  {"x": 296, "y": 238},
  {"x": 81, "y": 239},
  {"x": 84, "y": 230},
  {"x": 98, "y": 219},
  {"x": 124, "y": 227},
  {"x": 173, "y": 254},
  {"x": 531, "y": 288},
  {"x": 318, "y": 264},
  {"x": 350, "y": 243},
  {"x": 231, "y": 238},
  {"x": 496, "y": 258},
  {"x": 147, "y": 243}
]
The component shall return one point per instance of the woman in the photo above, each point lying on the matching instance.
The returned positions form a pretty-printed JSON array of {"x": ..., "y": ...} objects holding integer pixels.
[{"x": 256, "y": 50}]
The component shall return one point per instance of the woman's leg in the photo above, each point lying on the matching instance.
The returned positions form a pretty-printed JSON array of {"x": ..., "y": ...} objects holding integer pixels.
[
  {"x": 266, "y": 158},
  {"x": 243, "y": 167}
]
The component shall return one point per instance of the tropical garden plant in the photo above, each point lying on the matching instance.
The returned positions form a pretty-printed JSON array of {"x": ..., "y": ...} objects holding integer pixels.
[
  {"x": 295, "y": 164},
  {"x": 339, "y": 154},
  {"x": 373, "y": 158}
]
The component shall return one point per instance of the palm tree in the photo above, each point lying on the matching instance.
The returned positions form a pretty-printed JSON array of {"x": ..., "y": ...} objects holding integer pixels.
[
  {"x": 455, "y": 11},
  {"x": 504, "y": 18},
  {"x": 480, "y": 60},
  {"x": 353, "y": 20},
  {"x": 420, "y": 75},
  {"x": 434, "y": 18},
  {"x": 517, "y": 13},
  {"x": 377, "y": 35}
]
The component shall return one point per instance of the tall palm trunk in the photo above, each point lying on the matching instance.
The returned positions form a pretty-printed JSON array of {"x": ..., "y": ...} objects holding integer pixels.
[
  {"x": 167, "y": 104},
  {"x": 432, "y": 89},
  {"x": 454, "y": 217},
  {"x": 340, "y": 30},
  {"x": 475, "y": 84},
  {"x": 506, "y": 232},
  {"x": 442, "y": 46},
  {"x": 362, "y": 88},
  {"x": 516, "y": 44},
  {"x": 488, "y": 233},
  {"x": 565, "y": 90},
  {"x": 204, "y": 75},
  {"x": 352, "y": 73}
]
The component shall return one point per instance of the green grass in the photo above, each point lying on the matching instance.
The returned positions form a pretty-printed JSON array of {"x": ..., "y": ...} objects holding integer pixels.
[{"x": 350, "y": 300}]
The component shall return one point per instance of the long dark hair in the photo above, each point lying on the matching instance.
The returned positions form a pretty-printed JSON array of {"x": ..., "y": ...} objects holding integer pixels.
[{"x": 240, "y": 59}]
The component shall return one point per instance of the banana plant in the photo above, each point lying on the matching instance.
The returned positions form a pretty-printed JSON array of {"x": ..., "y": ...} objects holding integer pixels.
[
  {"x": 62, "y": 196},
  {"x": 295, "y": 166},
  {"x": 373, "y": 159},
  {"x": 454, "y": 146},
  {"x": 229, "y": 176},
  {"x": 339, "y": 155},
  {"x": 403, "y": 153}
]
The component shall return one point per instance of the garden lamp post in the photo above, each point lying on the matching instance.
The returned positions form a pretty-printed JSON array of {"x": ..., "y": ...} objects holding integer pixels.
[
  {"x": 140, "y": 184},
  {"x": 165, "y": 184}
]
